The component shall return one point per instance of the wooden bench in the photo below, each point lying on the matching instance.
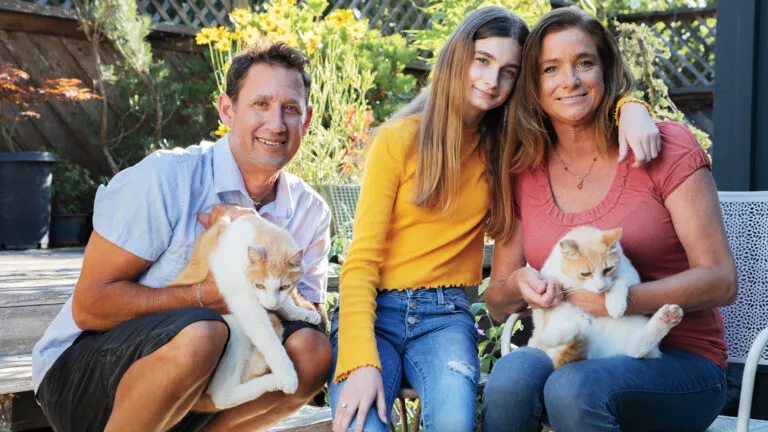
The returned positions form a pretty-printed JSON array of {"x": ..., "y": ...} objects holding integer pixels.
[{"x": 34, "y": 285}]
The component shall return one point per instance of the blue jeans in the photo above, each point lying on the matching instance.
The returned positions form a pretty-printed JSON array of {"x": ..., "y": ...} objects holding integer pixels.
[
  {"x": 681, "y": 392},
  {"x": 429, "y": 337}
]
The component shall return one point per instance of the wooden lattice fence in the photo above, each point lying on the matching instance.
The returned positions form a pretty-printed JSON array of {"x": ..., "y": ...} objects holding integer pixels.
[
  {"x": 389, "y": 16},
  {"x": 690, "y": 37}
]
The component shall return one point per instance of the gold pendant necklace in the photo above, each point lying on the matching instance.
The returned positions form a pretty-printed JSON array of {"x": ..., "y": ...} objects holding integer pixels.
[{"x": 580, "y": 178}]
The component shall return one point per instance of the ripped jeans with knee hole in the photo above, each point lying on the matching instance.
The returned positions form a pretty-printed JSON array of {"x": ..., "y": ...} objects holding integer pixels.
[{"x": 427, "y": 339}]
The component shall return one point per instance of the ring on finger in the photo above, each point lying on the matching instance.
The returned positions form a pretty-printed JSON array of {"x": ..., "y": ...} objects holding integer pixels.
[{"x": 344, "y": 404}]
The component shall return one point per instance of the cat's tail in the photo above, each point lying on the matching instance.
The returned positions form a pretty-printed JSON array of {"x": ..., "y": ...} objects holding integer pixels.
[
  {"x": 197, "y": 268},
  {"x": 574, "y": 351}
]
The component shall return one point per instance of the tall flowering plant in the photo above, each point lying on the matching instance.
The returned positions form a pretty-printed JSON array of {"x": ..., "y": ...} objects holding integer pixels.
[
  {"x": 19, "y": 97},
  {"x": 354, "y": 70}
]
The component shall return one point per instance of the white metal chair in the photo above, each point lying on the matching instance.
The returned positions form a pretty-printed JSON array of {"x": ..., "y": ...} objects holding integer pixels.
[
  {"x": 342, "y": 199},
  {"x": 746, "y": 320}
]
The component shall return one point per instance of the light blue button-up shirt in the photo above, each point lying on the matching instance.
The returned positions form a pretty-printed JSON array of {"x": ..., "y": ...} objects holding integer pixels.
[{"x": 151, "y": 211}]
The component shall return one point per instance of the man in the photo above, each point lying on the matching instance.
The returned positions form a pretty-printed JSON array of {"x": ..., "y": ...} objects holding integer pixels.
[{"x": 129, "y": 353}]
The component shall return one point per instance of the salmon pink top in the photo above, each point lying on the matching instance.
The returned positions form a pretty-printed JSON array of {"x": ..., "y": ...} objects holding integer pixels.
[{"x": 634, "y": 202}]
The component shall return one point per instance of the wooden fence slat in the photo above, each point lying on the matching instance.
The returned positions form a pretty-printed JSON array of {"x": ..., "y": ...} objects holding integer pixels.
[
  {"x": 693, "y": 52},
  {"x": 688, "y": 66},
  {"x": 199, "y": 16},
  {"x": 160, "y": 10},
  {"x": 57, "y": 134},
  {"x": 219, "y": 13}
]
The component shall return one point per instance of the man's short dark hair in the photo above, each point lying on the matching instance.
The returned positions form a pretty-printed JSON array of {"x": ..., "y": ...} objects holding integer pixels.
[{"x": 269, "y": 52}]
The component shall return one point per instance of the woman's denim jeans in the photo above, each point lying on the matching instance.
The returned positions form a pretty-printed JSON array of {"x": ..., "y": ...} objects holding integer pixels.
[
  {"x": 680, "y": 392},
  {"x": 429, "y": 337}
]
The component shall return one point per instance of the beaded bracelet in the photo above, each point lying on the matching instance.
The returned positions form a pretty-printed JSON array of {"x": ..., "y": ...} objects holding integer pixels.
[{"x": 624, "y": 100}]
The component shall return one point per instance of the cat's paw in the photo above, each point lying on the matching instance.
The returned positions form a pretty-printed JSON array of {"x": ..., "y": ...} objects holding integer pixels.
[
  {"x": 312, "y": 317},
  {"x": 616, "y": 305},
  {"x": 670, "y": 315},
  {"x": 289, "y": 381}
]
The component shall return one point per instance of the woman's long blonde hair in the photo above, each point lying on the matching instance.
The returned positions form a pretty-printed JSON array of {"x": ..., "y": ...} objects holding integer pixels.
[
  {"x": 533, "y": 124},
  {"x": 438, "y": 145}
]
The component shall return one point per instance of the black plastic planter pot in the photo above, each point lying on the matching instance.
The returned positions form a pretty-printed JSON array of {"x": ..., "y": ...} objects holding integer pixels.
[
  {"x": 70, "y": 229},
  {"x": 25, "y": 199}
]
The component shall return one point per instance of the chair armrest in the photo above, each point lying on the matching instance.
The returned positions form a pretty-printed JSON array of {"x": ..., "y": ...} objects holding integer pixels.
[
  {"x": 506, "y": 334},
  {"x": 748, "y": 379}
]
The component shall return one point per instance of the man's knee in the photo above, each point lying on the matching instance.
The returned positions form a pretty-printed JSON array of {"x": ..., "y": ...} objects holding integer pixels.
[
  {"x": 311, "y": 354},
  {"x": 197, "y": 348}
]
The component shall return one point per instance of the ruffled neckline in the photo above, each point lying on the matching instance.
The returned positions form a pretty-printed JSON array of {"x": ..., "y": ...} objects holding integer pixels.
[{"x": 590, "y": 215}]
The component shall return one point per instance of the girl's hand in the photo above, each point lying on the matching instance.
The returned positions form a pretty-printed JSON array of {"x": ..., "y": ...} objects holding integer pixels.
[
  {"x": 638, "y": 132},
  {"x": 538, "y": 292},
  {"x": 363, "y": 387}
]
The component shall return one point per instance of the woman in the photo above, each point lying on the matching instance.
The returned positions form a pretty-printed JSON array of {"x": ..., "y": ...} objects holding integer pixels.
[
  {"x": 434, "y": 184},
  {"x": 572, "y": 76}
]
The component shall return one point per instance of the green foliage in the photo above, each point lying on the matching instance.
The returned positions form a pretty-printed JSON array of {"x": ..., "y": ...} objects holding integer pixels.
[
  {"x": 331, "y": 149},
  {"x": 640, "y": 48},
  {"x": 610, "y": 8},
  {"x": 185, "y": 104},
  {"x": 304, "y": 26},
  {"x": 445, "y": 16},
  {"x": 73, "y": 188}
]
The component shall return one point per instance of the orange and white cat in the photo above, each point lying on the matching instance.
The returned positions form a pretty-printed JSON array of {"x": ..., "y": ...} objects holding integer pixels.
[
  {"x": 591, "y": 259},
  {"x": 257, "y": 266}
]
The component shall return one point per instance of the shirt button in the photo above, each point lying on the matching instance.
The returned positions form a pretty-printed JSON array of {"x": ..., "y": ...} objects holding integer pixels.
[{"x": 412, "y": 320}]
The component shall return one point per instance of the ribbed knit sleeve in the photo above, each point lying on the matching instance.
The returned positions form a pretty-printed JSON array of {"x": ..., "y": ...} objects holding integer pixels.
[{"x": 360, "y": 275}]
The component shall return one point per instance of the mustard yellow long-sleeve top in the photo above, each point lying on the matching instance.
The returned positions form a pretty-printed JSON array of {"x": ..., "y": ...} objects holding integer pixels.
[{"x": 398, "y": 245}]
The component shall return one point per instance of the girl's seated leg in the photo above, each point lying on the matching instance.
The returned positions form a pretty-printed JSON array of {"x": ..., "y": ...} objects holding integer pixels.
[
  {"x": 392, "y": 377},
  {"x": 513, "y": 398},
  {"x": 681, "y": 391},
  {"x": 440, "y": 359}
]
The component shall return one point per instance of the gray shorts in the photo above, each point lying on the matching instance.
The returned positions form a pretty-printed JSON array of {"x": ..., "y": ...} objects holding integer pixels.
[{"x": 78, "y": 392}]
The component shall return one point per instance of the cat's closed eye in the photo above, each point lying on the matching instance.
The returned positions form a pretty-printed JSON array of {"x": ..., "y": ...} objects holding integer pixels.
[
  {"x": 259, "y": 286},
  {"x": 608, "y": 270},
  {"x": 285, "y": 287},
  {"x": 585, "y": 274}
]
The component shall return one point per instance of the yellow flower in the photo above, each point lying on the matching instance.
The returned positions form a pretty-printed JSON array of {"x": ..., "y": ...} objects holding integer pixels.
[
  {"x": 241, "y": 17},
  {"x": 249, "y": 35},
  {"x": 222, "y": 130},
  {"x": 311, "y": 41},
  {"x": 341, "y": 18},
  {"x": 223, "y": 44},
  {"x": 205, "y": 36}
]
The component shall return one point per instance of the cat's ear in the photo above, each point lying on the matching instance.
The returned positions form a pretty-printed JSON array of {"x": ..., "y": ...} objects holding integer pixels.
[
  {"x": 257, "y": 254},
  {"x": 295, "y": 260},
  {"x": 612, "y": 236},
  {"x": 570, "y": 249}
]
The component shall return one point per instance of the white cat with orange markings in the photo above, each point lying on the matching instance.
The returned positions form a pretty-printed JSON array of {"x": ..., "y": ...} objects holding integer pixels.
[
  {"x": 590, "y": 259},
  {"x": 257, "y": 266}
]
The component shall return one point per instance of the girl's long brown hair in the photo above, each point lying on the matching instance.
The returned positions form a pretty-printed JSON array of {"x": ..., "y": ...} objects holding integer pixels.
[
  {"x": 533, "y": 125},
  {"x": 438, "y": 144}
]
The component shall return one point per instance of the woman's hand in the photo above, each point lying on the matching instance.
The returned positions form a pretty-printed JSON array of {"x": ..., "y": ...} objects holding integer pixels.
[
  {"x": 591, "y": 303},
  {"x": 638, "y": 131},
  {"x": 363, "y": 387},
  {"x": 538, "y": 292}
]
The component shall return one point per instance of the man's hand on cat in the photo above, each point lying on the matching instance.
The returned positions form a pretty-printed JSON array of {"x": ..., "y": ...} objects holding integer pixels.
[
  {"x": 537, "y": 291},
  {"x": 591, "y": 303},
  {"x": 362, "y": 388},
  {"x": 220, "y": 210},
  {"x": 212, "y": 298}
]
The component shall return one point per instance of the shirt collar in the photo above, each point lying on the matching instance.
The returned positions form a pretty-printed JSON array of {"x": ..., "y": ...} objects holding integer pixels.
[{"x": 227, "y": 178}]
